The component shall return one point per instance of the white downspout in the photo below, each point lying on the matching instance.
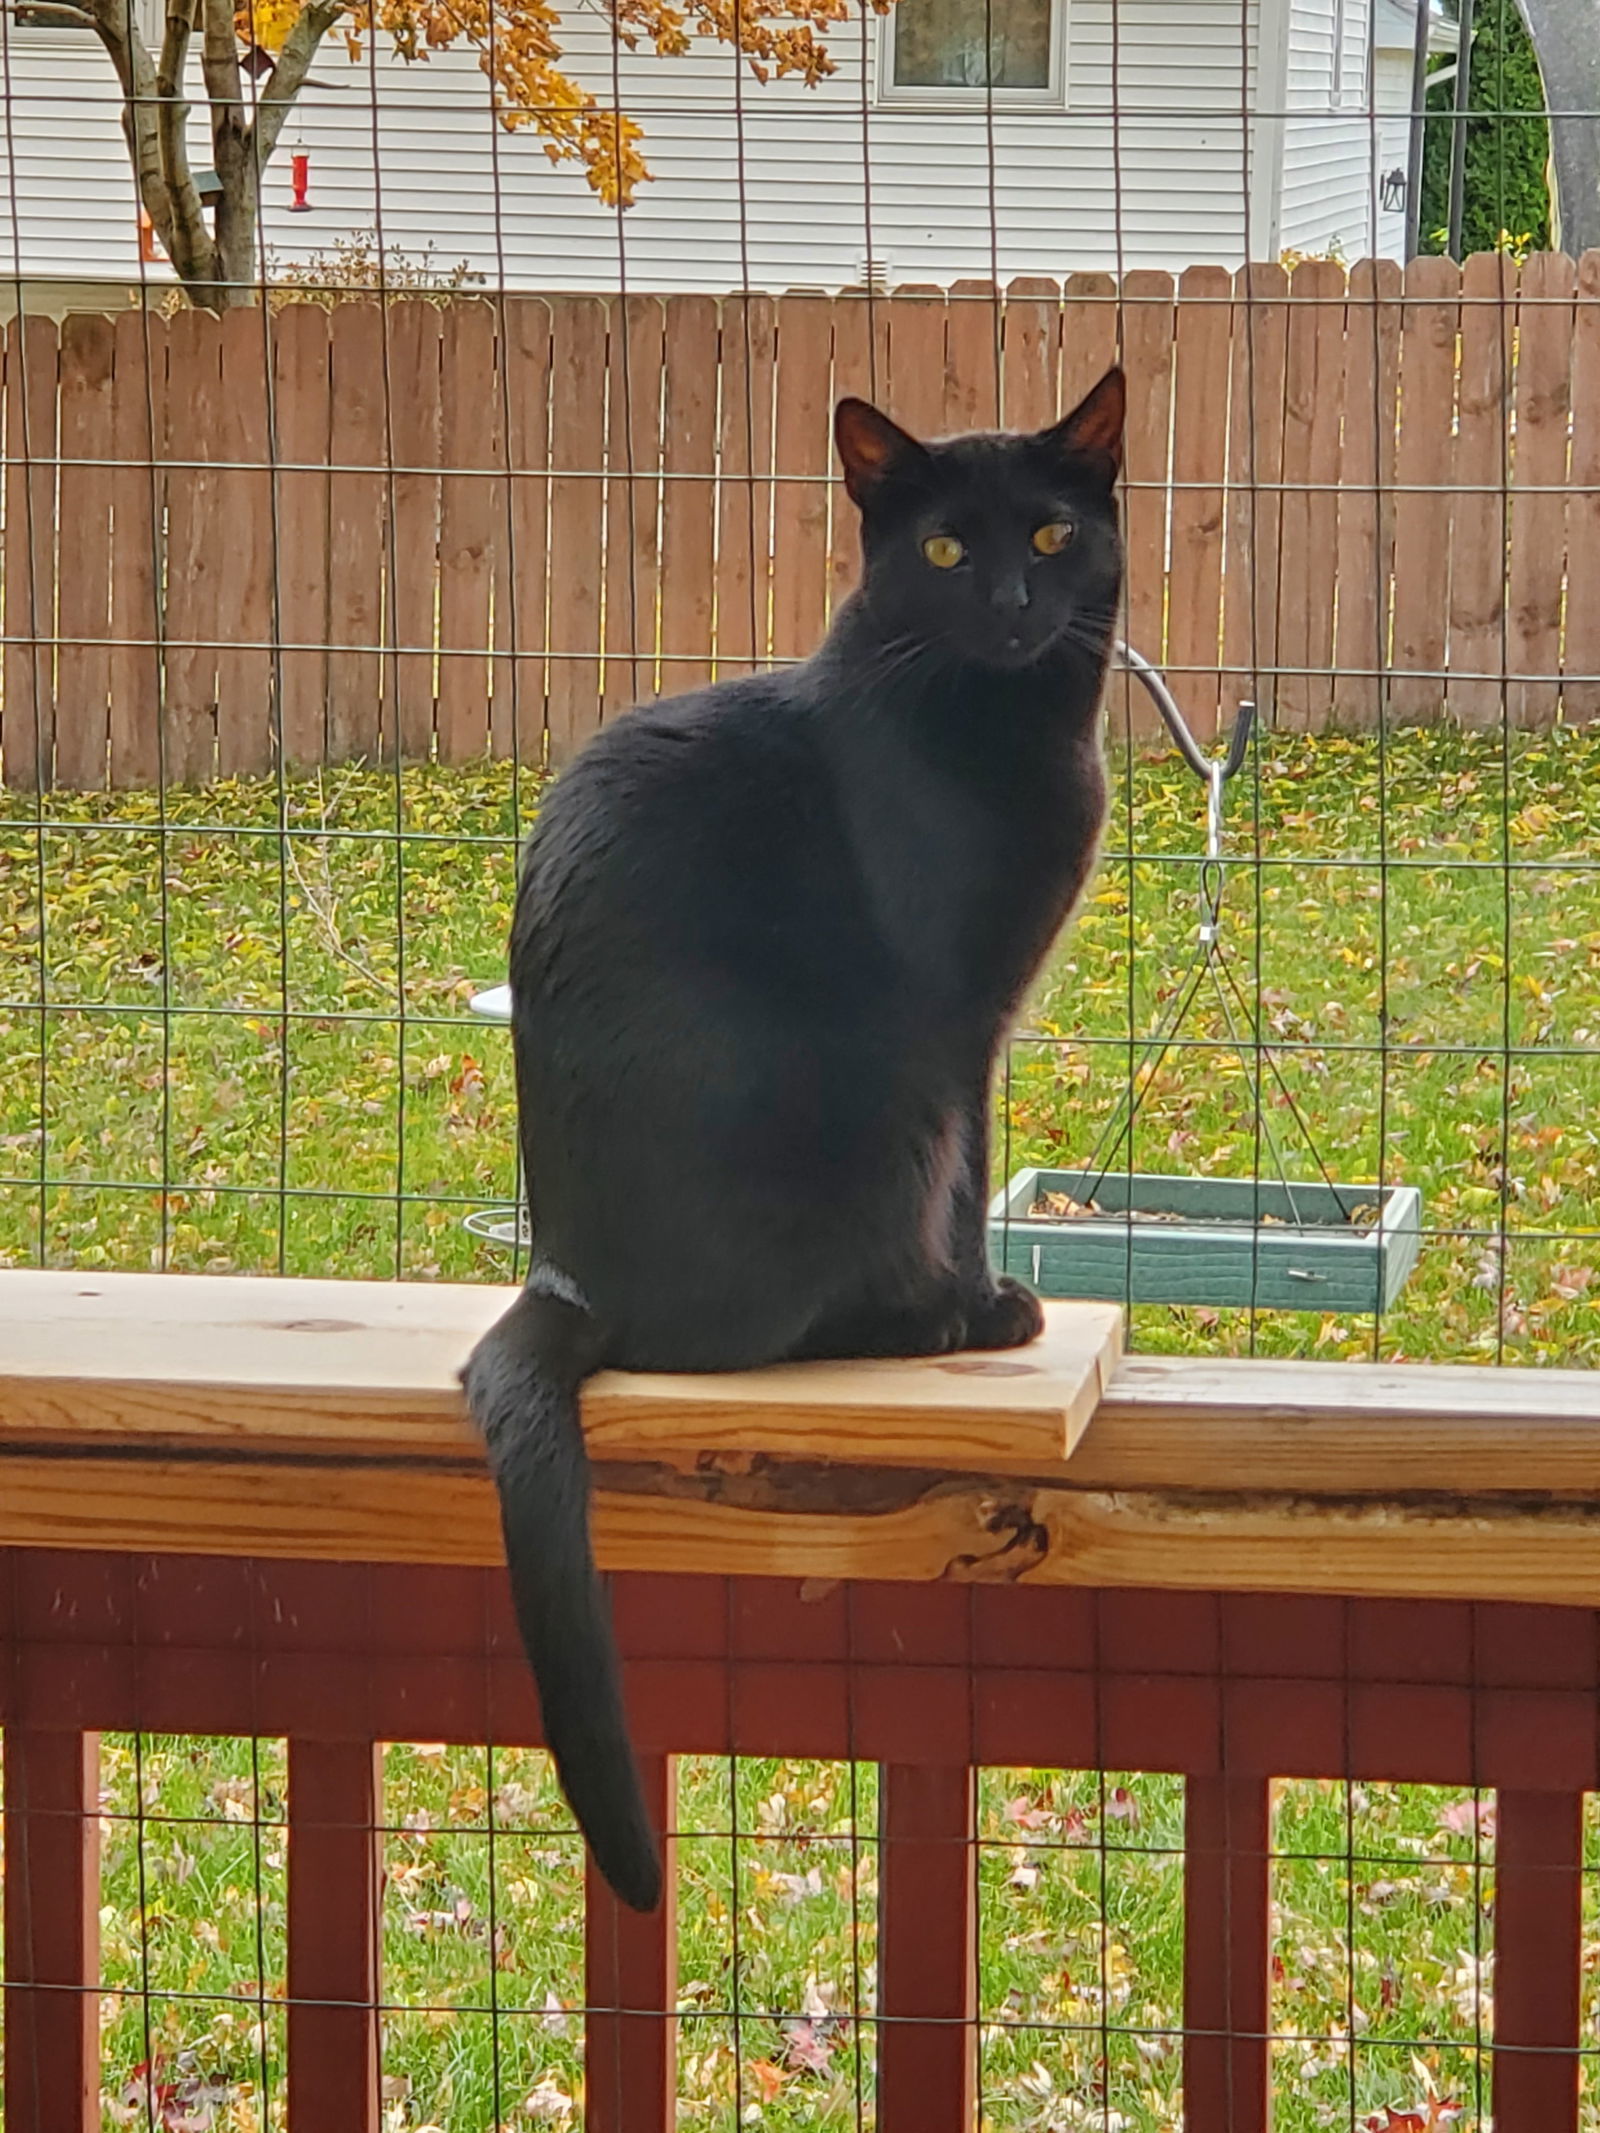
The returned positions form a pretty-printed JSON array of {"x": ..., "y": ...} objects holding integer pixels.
[{"x": 1268, "y": 131}]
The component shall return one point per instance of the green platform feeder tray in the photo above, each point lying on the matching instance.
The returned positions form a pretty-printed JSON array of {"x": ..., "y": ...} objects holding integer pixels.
[{"x": 1218, "y": 1241}]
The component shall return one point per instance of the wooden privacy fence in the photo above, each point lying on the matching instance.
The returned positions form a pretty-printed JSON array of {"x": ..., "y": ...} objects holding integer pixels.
[{"x": 477, "y": 527}]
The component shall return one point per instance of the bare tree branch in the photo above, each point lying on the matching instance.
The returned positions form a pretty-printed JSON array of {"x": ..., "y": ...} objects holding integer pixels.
[
  {"x": 230, "y": 145},
  {"x": 284, "y": 83},
  {"x": 114, "y": 26},
  {"x": 188, "y": 241},
  {"x": 219, "y": 65},
  {"x": 57, "y": 7}
]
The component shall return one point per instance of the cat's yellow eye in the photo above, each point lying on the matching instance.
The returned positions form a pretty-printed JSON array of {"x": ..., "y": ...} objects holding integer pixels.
[
  {"x": 944, "y": 551},
  {"x": 1051, "y": 539}
]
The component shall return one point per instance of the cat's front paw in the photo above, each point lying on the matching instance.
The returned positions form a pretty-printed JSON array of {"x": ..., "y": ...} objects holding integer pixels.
[{"x": 1009, "y": 1317}]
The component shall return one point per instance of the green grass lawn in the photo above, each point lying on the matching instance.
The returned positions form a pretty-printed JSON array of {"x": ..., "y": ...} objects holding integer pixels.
[
  {"x": 276, "y": 1025},
  {"x": 230, "y": 1050}
]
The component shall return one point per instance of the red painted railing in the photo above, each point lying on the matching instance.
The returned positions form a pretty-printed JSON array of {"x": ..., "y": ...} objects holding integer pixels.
[{"x": 928, "y": 1681}]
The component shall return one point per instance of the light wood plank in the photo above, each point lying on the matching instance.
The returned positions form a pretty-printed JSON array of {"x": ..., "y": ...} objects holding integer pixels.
[
  {"x": 369, "y": 1367},
  {"x": 899, "y": 1525},
  {"x": 369, "y": 1364}
]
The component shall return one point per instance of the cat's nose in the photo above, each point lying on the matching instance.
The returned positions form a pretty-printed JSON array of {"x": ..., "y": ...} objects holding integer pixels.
[{"x": 1011, "y": 596}]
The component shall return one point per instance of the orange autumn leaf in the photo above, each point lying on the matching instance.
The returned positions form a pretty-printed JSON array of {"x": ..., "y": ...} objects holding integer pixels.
[
  {"x": 519, "y": 48},
  {"x": 769, "y": 2079}
]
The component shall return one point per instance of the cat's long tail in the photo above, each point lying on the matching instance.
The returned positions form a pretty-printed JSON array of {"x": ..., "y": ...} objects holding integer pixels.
[{"x": 522, "y": 1384}]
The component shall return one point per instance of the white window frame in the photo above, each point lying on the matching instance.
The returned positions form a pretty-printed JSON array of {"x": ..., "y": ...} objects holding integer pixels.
[{"x": 964, "y": 96}]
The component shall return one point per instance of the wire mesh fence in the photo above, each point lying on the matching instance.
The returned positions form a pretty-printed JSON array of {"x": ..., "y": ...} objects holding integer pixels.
[{"x": 304, "y": 600}]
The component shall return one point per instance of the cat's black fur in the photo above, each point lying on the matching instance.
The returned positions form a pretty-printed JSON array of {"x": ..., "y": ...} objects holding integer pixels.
[{"x": 768, "y": 941}]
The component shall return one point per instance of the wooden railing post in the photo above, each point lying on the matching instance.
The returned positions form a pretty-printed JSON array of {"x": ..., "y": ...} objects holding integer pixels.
[
  {"x": 1226, "y": 1969},
  {"x": 52, "y": 1931},
  {"x": 927, "y": 1950},
  {"x": 1538, "y": 1953},
  {"x": 335, "y": 1893},
  {"x": 630, "y": 2048}
]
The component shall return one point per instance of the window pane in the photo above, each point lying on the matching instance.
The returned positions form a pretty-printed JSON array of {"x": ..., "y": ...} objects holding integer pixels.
[{"x": 941, "y": 44}]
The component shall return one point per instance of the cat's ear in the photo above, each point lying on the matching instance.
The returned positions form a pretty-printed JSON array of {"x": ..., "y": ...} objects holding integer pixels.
[
  {"x": 873, "y": 448},
  {"x": 1094, "y": 428}
]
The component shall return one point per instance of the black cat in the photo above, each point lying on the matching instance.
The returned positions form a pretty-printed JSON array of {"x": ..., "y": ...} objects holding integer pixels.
[{"x": 769, "y": 938}]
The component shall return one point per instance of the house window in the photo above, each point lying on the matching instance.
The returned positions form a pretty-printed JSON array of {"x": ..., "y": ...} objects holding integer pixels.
[{"x": 962, "y": 51}]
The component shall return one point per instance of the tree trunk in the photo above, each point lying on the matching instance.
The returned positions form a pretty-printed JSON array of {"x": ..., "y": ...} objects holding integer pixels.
[
  {"x": 1566, "y": 37},
  {"x": 217, "y": 266}
]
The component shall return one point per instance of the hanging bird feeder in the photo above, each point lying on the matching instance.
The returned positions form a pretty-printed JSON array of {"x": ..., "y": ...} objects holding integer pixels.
[{"x": 1276, "y": 1243}]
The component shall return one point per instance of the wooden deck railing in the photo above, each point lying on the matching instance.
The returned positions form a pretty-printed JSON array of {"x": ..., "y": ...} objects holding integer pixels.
[{"x": 252, "y": 1507}]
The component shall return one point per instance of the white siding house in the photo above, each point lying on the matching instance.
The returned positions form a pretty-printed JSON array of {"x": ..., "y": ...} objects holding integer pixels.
[
  {"x": 1347, "y": 103},
  {"x": 1223, "y": 128}
]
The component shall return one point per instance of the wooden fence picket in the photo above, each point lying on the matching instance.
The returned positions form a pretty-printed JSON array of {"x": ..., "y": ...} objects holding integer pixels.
[
  {"x": 357, "y": 508},
  {"x": 633, "y": 500},
  {"x": 31, "y": 353},
  {"x": 689, "y": 504},
  {"x": 1203, "y": 331},
  {"x": 1147, "y": 345},
  {"x": 1581, "y": 690},
  {"x": 302, "y": 419},
  {"x": 1364, "y": 552},
  {"x": 744, "y": 487},
  {"x": 1538, "y": 482},
  {"x": 415, "y": 333},
  {"x": 139, "y": 365},
  {"x": 469, "y": 519},
  {"x": 1423, "y": 461},
  {"x": 88, "y": 354},
  {"x": 480, "y": 528}
]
